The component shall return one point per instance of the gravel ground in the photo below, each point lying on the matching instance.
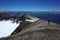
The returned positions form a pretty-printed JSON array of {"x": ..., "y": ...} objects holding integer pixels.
[{"x": 46, "y": 34}]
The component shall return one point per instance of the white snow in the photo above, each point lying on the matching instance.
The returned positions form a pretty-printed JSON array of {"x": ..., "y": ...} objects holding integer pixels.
[
  {"x": 7, "y": 27},
  {"x": 32, "y": 19}
]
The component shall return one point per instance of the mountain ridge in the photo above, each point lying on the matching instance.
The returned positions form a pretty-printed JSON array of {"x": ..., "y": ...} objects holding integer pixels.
[{"x": 46, "y": 29}]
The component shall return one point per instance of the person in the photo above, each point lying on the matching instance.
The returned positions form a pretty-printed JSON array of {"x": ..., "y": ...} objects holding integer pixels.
[{"x": 48, "y": 22}]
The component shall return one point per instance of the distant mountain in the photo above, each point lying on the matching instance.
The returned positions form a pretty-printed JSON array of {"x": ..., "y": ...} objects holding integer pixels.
[
  {"x": 20, "y": 17},
  {"x": 52, "y": 16},
  {"x": 5, "y": 16}
]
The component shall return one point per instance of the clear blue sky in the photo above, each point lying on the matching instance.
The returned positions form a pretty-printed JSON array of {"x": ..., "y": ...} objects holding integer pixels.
[{"x": 29, "y": 5}]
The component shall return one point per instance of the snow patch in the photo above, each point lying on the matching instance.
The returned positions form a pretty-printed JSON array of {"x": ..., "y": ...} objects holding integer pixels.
[
  {"x": 32, "y": 19},
  {"x": 7, "y": 27}
]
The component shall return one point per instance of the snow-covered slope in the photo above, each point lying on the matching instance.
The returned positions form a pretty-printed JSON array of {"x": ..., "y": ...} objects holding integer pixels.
[
  {"x": 31, "y": 18},
  {"x": 7, "y": 27}
]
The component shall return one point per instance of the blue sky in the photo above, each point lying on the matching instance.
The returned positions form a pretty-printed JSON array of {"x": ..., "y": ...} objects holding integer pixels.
[{"x": 29, "y": 5}]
